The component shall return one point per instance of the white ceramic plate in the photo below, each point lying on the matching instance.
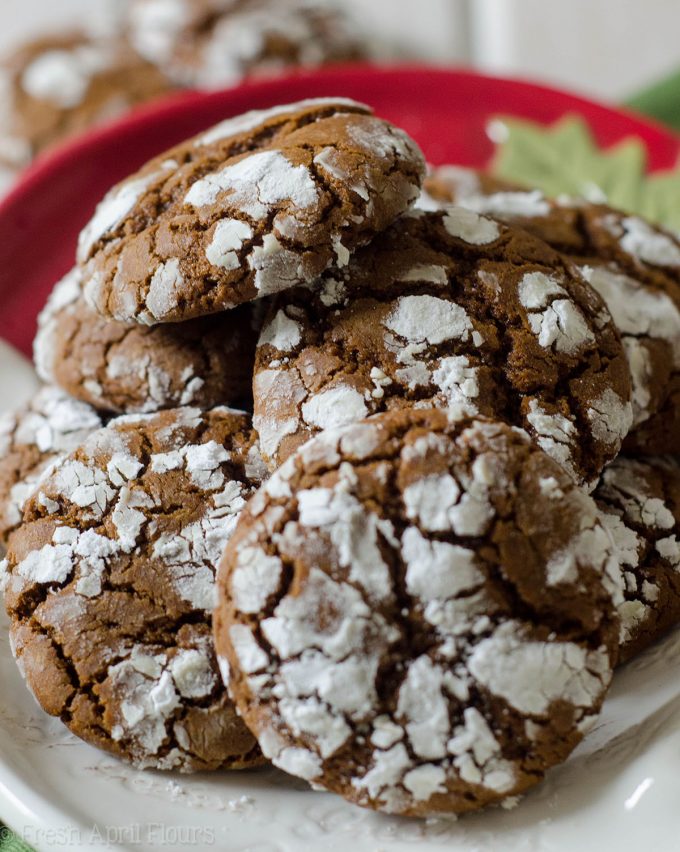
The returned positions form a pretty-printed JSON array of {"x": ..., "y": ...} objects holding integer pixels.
[{"x": 619, "y": 790}]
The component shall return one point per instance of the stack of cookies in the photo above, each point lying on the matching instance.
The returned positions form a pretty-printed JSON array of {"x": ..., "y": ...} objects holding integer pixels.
[{"x": 405, "y": 567}]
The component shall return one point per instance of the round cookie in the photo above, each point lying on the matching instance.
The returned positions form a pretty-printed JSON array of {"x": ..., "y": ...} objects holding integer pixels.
[
  {"x": 640, "y": 500},
  {"x": 59, "y": 86},
  {"x": 635, "y": 266},
  {"x": 31, "y": 439},
  {"x": 260, "y": 203},
  {"x": 127, "y": 367},
  {"x": 209, "y": 44},
  {"x": 417, "y": 613},
  {"x": 109, "y": 585},
  {"x": 448, "y": 308}
]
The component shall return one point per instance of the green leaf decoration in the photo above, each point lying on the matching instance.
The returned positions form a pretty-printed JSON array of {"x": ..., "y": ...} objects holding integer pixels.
[
  {"x": 564, "y": 159},
  {"x": 661, "y": 100}
]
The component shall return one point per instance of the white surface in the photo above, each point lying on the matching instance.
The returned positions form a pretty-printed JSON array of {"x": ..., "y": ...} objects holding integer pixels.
[
  {"x": 25, "y": 19},
  {"x": 18, "y": 380},
  {"x": 434, "y": 30},
  {"x": 606, "y": 48},
  {"x": 618, "y": 791}
]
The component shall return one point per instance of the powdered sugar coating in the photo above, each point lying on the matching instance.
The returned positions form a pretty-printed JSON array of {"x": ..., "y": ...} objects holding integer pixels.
[
  {"x": 165, "y": 289},
  {"x": 256, "y": 117},
  {"x": 647, "y": 244},
  {"x": 105, "y": 478},
  {"x": 611, "y": 418},
  {"x": 391, "y": 623},
  {"x": 557, "y": 322},
  {"x": 530, "y": 676},
  {"x": 283, "y": 333},
  {"x": 255, "y": 184},
  {"x": 335, "y": 407},
  {"x": 471, "y": 228},
  {"x": 227, "y": 241},
  {"x": 138, "y": 517},
  {"x": 429, "y": 320},
  {"x": 504, "y": 204},
  {"x": 475, "y": 190}
]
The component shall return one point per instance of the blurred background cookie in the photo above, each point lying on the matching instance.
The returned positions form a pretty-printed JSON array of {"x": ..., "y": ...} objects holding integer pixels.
[
  {"x": 209, "y": 44},
  {"x": 449, "y": 184},
  {"x": 61, "y": 85}
]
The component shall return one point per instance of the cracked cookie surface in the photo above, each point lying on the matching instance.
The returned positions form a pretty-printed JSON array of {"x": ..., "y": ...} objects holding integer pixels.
[
  {"x": 50, "y": 425},
  {"x": 640, "y": 501},
  {"x": 214, "y": 43},
  {"x": 128, "y": 368},
  {"x": 257, "y": 204},
  {"x": 417, "y": 612},
  {"x": 634, "y": 266},
  {"x": 59, "y": 86},
  {"x": 447, "y": 308},
  {"x": 109, "y": 585}
]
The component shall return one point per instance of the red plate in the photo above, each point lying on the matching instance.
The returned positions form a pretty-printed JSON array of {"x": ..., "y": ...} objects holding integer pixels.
[{"x": 445, "y": 111}]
